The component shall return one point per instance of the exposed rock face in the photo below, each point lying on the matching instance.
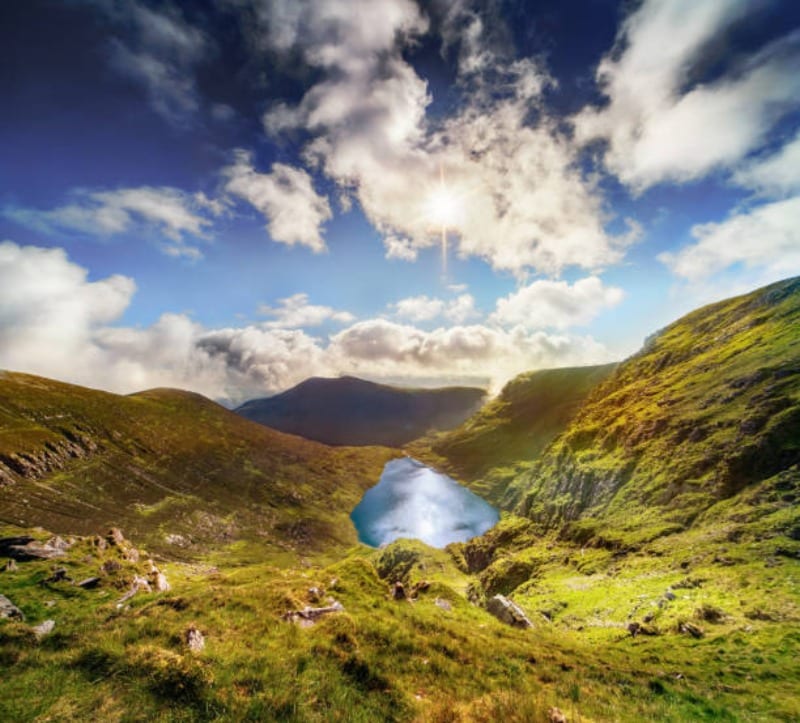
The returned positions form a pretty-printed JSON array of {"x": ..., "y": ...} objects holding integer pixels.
[
  {"x": 308, "y": 615},
  {"x": 27, "y": 548},
  {"x": 508, "y": 612},
  {"x": 9, "y": 610}
]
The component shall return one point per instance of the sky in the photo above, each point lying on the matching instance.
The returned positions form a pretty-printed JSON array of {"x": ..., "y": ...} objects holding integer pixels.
[{"x": 230, "y": 196}]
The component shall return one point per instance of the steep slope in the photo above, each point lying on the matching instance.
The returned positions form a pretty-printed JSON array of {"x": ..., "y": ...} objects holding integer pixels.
[
  {"x": 710, "y": 408},
  {"x": 349, "y": 411},
  {"x": 175, "y": 470},
  {"x": 514, "y": 428}
]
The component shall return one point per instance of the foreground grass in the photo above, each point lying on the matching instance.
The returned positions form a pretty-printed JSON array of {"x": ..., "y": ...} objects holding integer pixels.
[{"x": 386, "y": 659}]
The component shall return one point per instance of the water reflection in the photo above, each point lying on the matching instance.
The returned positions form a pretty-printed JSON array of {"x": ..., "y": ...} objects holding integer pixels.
[{"x": 412, "y": 500}]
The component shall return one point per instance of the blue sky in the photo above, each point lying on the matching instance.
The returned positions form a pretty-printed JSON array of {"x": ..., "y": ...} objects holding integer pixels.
[{"x": 232, "y": 195}]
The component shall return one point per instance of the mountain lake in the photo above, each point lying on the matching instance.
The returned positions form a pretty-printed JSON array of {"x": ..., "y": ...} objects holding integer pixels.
[{"x": 413, "y": 500}]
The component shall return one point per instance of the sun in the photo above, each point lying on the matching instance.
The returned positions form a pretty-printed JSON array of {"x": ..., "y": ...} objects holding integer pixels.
[{"x": 443, "y": 207}]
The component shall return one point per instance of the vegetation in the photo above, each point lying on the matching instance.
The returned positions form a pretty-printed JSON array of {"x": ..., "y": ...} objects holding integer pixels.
[
  {"x": 510, "y": 432},
  {"x": 180, "y": 474},
  {"x": 349, "y": 411},
  {"x": 654, "y": 542}
]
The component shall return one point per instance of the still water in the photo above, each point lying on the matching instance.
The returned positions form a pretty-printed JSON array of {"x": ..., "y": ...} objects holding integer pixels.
[{"x": 412, "y": 500}]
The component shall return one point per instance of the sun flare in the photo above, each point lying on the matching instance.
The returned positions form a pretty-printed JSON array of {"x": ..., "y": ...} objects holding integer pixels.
[{"x": 443, "y": 207}]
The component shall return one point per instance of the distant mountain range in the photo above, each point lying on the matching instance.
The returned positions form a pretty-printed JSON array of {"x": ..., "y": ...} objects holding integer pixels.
[{"x": 350, "y": 411}]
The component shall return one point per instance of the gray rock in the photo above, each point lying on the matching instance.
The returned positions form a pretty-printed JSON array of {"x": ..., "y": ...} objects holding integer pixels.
[
  {"x": 508, "y": 612},
  {"x": 89, "y": 583},
  {"x": 443, "y": 604},
  {"x": 11, "y": 566},
  {"x": 8, "y": 610},
  {"x": 195, "y": 639},
  {"x": 44, "y": 628}
]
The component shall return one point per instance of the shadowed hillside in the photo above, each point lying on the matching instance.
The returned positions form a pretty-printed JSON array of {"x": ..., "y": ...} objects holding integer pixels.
[
  {"x": 349, "y": 411},
  {"x": 514, "y": 428},
  {"x": 172, "y": 468}
]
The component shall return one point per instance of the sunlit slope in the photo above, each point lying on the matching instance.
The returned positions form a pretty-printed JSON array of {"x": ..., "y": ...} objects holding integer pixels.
[
  {"x": 175, "y": 470},
  {"x": 514, "y": 428},
  {"x": 348, "y": 411},
  {"x": 708, "y": 410}
]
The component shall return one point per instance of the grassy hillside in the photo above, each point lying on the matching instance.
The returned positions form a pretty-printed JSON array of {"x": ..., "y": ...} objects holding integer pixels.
[
  {"x": 512, "y": 430},
  {"x": 706, "y": 414},
  {"x": 176, "y": 471},
  {"x": 658, "y": 557},
  {"x": 349, "y": 411}
]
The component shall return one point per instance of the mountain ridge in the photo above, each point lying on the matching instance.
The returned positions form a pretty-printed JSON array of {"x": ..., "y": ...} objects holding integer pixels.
[{"x": 351, "y": 411}]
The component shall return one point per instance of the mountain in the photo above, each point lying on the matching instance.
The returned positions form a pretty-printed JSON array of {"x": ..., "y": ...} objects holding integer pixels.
[
  {"x": 350, "y": 411},
  {"x": 708, "y": 411},
  {"x": 172, "y": 468},
  {"x": 512, "y": 430},
  {"x": 651, "y": 537}
]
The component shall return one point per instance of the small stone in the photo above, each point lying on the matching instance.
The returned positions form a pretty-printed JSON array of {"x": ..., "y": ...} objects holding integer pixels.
[
  {"x": 443, "y": 604},
  {"x": 9, "y": 610},
  {"x": 11, "y": 566},
  {"x": 633, "y": 628},
  {"x": 111, "y": 566},
  {"x": 44, "y": 628},
  {"x": 89, "y": 583},
  {"x": 115, "y": 536},
  {"x": 693, "y": 630},
  {"x": 398, "y": 591},
  {"x": 160, "y": 583},
  {"x": 314, "y": 594},
  {"x": 508, "y": 612},
  {"x": 195, "y": 639},
  {"x": 59, "y": 575},
  {"x": 669, "y": 595},
  {"x": 554, "y": 715}
]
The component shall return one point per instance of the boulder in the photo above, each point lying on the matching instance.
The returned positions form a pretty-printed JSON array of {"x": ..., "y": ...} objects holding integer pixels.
[
  {"x": 508, "y": 612},
  {"x": 159, "y": 582},
  {"x": 554, "y": 715},
  {"x": 443, "y": 604},
  {"x": 115, "y": 536},
  {"x": 9, "y": 611},
  {"x": 398, "y": 591},
  {"x": 11, "y": 565}
]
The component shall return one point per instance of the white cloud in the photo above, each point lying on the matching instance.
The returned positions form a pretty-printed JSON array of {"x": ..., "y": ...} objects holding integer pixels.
[
  {"x": 419, "y": 308},
  {"x": 399, "y": 248},
  {"x": 296, "y": 312},
  {"x": 664, "y": 122},
  {"x": 556, "y": 304},
  {"x": 426, "y": 308},
  {"x": 55, "y": 322},
  {"x": 286, "y": 197},
  {"x": 766, "y": 236},
  {"x": 777, "y": 174},
  {"x": 159, "y": 50},
  {"x": 170, "y": 211},
  {"x": 524, "y": 203}
]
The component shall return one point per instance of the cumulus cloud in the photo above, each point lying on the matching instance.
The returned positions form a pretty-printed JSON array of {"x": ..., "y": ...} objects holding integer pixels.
[
  {"x": 665, "y": 121},
  {"x": 296, "y": 312},
  {"x": 777, "y": 174},
  {"x": 426, "y": 308},
  {"x": 56, "y": 322},
  {"x": 556, "y": 304},
  {"x": 285, "y": 196},
  {"x": 160, "y": 50},
  {"x": 523, "y": 203},
  {"x": 767, "y": 237},
  {"x": 173, "y": 213}
]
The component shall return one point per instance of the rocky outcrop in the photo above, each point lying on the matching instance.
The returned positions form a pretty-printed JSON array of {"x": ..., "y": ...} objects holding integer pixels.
[
  {"x": 24, "y": 548},
  {"x": 508, "y": 612},
  {"x": 308, "y": 615}
]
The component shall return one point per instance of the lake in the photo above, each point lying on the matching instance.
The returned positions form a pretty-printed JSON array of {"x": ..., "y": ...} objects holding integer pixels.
[{"x": 413, "y": 500}]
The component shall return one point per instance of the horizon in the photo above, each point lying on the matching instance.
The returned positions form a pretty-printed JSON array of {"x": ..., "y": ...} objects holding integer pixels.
[{"x": 231, "y": 197}]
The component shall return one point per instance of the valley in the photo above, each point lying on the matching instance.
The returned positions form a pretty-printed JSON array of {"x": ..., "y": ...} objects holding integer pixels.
[{"x": 649, "y": 530}]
